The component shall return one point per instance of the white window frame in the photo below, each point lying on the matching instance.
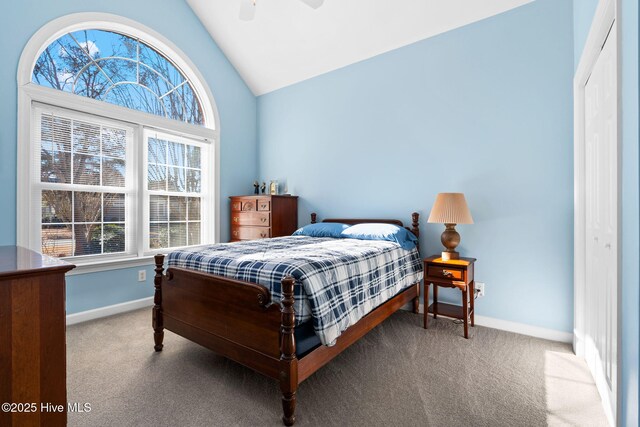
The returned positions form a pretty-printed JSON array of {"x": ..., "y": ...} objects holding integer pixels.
[
  {"x": 30, "y": 94},
  {"x": 130, "y": 190},
  {"x": 204, "y": 195}
]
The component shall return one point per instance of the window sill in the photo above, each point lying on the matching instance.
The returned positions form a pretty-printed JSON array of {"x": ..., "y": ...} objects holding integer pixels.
[{"x": 114, "y": 264}]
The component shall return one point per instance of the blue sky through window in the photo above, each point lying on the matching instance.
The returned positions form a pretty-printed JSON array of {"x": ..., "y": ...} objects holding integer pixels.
[{"x": 118, "y": 69}]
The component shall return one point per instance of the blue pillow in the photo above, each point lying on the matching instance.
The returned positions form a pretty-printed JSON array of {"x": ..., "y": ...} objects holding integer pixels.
[
  {"x": 322, "y": 229},
  {"x": 392, "y": 233}
]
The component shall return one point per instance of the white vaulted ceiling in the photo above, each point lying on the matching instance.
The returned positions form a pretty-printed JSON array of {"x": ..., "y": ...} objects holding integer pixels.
[{"x": 288, "y": 41}]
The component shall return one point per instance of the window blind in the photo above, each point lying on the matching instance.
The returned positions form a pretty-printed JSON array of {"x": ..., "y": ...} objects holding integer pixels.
[
  {"x": 175, "y": 186},
  {"x": 83, "y": 184}
]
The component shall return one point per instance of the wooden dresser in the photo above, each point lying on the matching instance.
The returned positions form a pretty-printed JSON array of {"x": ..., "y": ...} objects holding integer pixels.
[
  {"x": 262, "y": 216},
  {"x": 32, "y": 338}
]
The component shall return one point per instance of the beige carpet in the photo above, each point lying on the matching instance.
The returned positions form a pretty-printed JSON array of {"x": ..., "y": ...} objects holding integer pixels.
[{"x": 398, "y": 375}]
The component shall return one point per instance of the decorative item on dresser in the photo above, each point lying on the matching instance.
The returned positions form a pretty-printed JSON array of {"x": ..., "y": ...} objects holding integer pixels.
[
  {"x": 260, "y": 217},
  {"x": 450, "y": 209},
  {"x": 32, "y": 337},
  {"x": 450, "y": 274},
  {"x": 274, "y": 188}
]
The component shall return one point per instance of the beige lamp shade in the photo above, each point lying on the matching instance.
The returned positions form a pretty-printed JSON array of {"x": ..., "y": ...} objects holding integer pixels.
[{"x": 450, "y": 208}]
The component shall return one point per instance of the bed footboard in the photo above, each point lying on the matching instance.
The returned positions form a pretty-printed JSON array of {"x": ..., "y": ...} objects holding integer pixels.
[{"x": 233, "y": 318}]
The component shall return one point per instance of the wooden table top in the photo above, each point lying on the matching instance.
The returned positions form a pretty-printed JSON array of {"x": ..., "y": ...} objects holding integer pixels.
[
  {"x": 17, "y": 261},
  {"x": 462, "y": 262}
]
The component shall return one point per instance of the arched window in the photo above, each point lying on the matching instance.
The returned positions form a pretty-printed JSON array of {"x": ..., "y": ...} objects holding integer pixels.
[
  {"x": 117, "y": 144},
  {"x": 118, "y": 69}
]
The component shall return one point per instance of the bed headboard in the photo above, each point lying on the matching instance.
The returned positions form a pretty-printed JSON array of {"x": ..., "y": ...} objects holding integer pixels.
[{"x": 415, "y": 225}]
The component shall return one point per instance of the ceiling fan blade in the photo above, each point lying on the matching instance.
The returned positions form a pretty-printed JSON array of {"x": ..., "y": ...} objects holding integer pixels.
[
  {"x": 313, "y": 3},
  {"x": 247, "y": 10}
]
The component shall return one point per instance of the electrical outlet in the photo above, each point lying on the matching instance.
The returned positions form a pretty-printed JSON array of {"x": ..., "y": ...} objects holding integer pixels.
[
  {"x": 142, "y": 275},
  {"x": 479, "y": 289}
]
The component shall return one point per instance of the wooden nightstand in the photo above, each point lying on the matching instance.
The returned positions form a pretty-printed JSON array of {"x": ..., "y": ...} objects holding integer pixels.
[{"x": 450, "y": 274}]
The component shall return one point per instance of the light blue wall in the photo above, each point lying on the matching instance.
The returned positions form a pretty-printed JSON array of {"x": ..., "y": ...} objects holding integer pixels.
[
  {"x": 94, "y": 290},
  {"x": 630, "y": 212},
  {"x": 486, "y": 110},
  {"x": 175, "y": 20},
  {"x": 583, "y": 12}
]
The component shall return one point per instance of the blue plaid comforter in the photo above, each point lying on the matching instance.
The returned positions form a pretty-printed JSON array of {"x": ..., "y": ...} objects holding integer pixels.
[{"x": 338, "y": 281}]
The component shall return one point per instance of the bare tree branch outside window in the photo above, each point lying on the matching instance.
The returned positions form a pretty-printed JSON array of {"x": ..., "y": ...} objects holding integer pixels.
[
  {"x": 120, "y": 70},
  {"x": 90, "y": 218}
]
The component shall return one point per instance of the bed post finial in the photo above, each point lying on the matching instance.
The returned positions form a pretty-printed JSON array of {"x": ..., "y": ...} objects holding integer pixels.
[
  {"x": 415, "y": 225},
  {"x": 288, "y": 359},
  {"x": 158, "y": 327},
  {"x": 314, "y": 217}
]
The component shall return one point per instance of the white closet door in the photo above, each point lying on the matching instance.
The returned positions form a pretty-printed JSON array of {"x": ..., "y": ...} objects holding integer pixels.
[{"x": 602, "y": 220}]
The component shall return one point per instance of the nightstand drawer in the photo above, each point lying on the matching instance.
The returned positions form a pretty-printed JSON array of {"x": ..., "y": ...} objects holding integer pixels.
[
  {"x": 251, "y": 218},
  {"x": 448, "y": 273},
  {"x": 250, "y": 233}
]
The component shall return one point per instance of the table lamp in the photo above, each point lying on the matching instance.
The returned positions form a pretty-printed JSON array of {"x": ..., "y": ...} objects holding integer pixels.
[{"x": 450, "y": 209}]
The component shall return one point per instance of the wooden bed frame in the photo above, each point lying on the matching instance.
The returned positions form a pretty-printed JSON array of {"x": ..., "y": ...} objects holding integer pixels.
[{"x": 238, "y": 320}]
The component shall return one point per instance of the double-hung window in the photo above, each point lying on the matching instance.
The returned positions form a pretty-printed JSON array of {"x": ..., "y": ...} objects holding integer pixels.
[
  {"x": 94, "y": 176},
  {"x": 174, "y": 191},
  {"x": 121, "y": 157},
  {"x": 84, "y": 184}
]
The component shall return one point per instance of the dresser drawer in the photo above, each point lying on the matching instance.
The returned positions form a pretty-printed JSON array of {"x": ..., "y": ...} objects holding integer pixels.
[
  {"x": 236, "y": 205},
  {"x": 250, "y": 233},
  {"x": 277, "y": 214},
  {"x": 249, "y": 205},
  {"x": 264, "y": 205},
  {"x": 251, "y": 218},
  {"x": 448, "y": 273}
]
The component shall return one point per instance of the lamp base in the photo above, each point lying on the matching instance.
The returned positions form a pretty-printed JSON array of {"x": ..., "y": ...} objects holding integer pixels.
[
  {"x": 450, "y": 239},
  {"x": 449, "y": 255}
]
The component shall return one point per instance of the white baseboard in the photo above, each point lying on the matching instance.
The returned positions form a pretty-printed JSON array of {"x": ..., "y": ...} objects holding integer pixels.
[
  {"x": 524, "y": 329},
  {"x": 109, "y": 310},
  {"x": 518, "y": 328}
]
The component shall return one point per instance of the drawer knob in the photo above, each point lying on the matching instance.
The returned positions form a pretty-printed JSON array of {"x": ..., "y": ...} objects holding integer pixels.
[
  {"x": 263, "y": 206},
  {"x": 235, "y": 219},
  {"x": 447, "y": 273},
  {"x": 235, "y": 233},
  {"x": 263, "y": 219},
  {"x": 263, "y": 234}
]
